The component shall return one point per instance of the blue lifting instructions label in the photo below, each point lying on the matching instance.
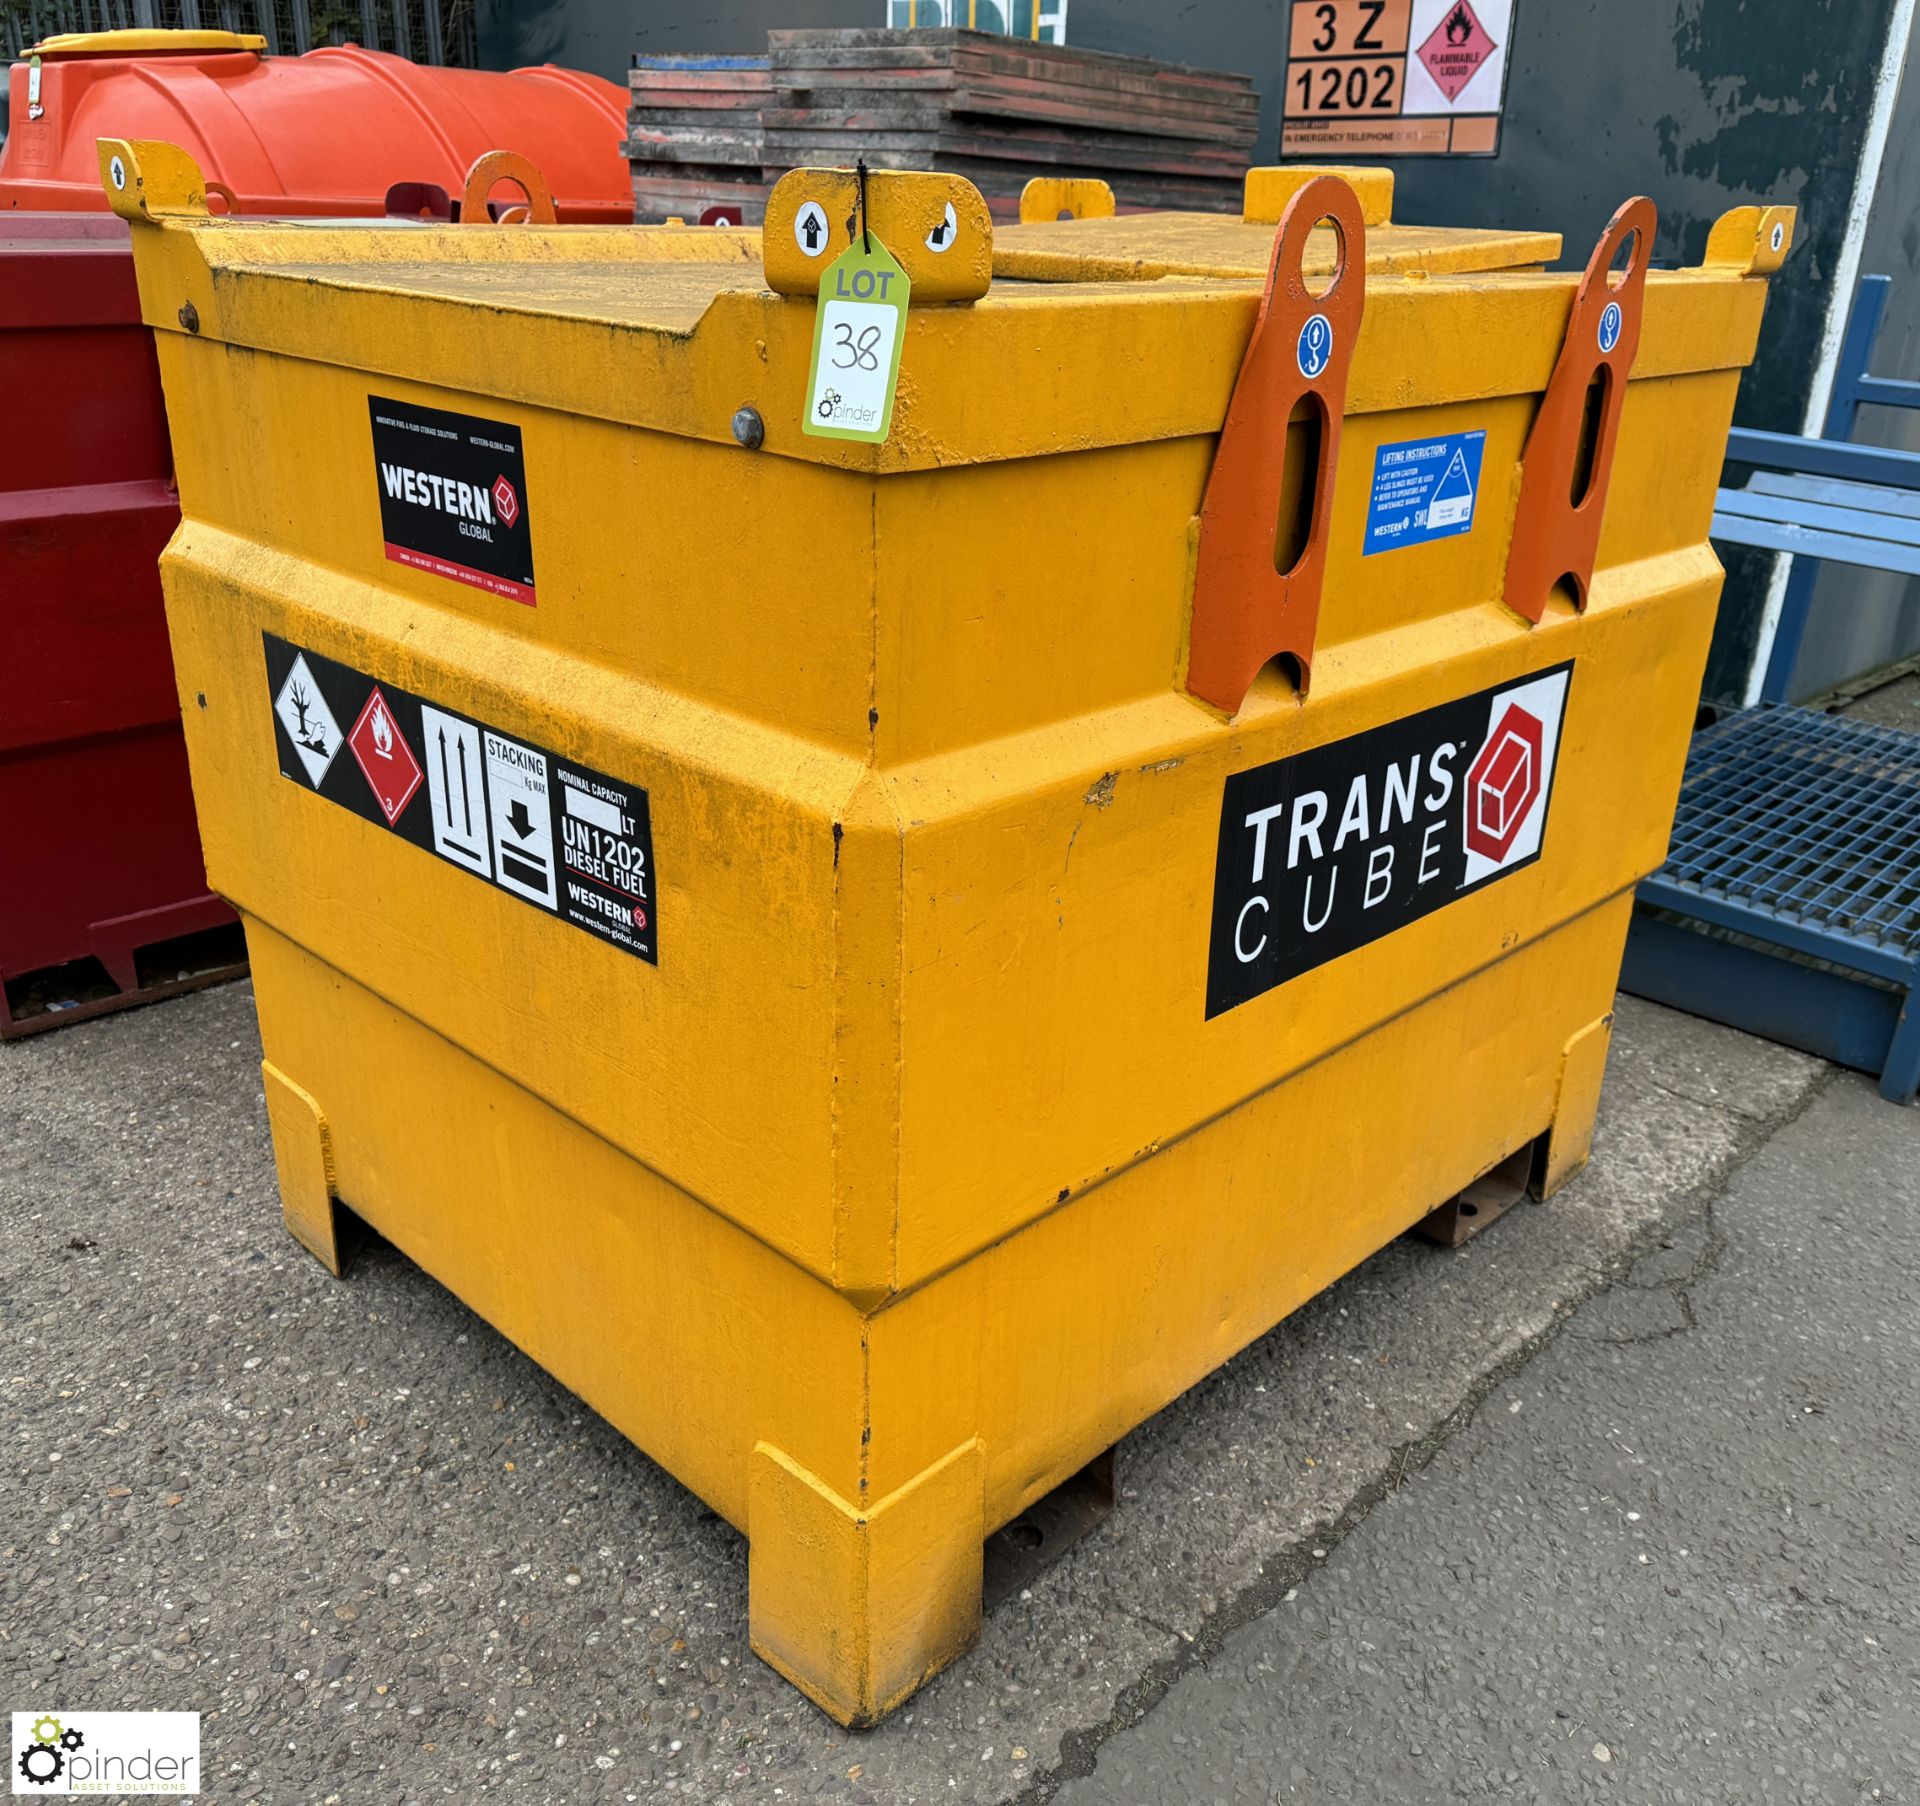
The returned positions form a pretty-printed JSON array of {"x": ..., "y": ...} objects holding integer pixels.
[{"x": 1423, "y": 489}]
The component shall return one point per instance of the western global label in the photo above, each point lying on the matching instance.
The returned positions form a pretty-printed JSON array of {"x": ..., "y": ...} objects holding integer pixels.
[
  {"x": 1423, "y": 489},
  {"x": 453, "y": 496},
  {"x": 569, "y": 840},
  {"x": 1327, "y": 851}
]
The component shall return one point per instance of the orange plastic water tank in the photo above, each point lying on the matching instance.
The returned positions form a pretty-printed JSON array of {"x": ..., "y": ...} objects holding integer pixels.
[
  {"x": 330, "y": 132},
  {"x": 111, "y": 907}
]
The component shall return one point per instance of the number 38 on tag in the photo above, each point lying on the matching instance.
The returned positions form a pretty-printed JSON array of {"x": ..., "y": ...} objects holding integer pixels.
[{"x": 856, "y": 344}]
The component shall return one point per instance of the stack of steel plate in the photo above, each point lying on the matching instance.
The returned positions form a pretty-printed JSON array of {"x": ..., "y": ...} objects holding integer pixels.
[
  {"x": 997, "y": 110},
  {"x": 695, "y": 136}
]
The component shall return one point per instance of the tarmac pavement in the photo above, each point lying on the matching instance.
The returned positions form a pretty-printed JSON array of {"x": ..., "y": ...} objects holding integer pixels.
[
  {"x": 1673, "y": 1558},
  {"x": 391, "y": 1561}
]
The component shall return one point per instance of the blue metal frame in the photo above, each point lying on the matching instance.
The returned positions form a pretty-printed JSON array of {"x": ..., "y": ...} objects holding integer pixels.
[
  {"x": 1831, "y": 456},
  {"x": 1802, "y": 1006},
  {"x": 1824, "y": 458},
  {"x": 1799, "y": 832},
  {"x": 1851, "y": 528}
]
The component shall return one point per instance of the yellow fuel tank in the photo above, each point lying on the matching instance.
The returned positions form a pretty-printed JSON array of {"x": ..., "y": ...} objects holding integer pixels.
[{"x": 880, "y": 965}]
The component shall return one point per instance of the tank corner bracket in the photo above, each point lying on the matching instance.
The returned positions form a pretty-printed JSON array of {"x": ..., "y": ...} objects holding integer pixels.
[
  {"x": 936, "y": 226},
  {"x": 147, "y": 179},
  {"x": 1751, "y": 241}
]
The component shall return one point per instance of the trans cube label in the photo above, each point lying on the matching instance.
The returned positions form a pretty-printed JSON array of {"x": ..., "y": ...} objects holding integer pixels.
[
  {"x": 1325, "y": 852},
  {"x": 453, "y": 496},
  {"x": 571, "y": 841}
]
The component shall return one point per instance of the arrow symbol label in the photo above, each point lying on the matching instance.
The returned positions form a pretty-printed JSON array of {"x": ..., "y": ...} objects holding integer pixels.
[
  {"x": 810, "y": 228},
  {"x": 457, "y": 833}
]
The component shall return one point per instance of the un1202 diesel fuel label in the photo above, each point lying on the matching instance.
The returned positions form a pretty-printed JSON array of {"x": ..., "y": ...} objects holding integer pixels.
[{"x": 572, "y": 841}]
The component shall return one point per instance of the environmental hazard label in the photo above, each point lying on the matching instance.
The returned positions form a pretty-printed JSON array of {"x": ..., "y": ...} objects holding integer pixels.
[
  {"x": 311, "y": 730},
  {"x": 1423, "y": 489},
  {"x": 567, "y": 839},
  {"x": 1327, "y": 851},
  {"x": 453, "y": 496}
]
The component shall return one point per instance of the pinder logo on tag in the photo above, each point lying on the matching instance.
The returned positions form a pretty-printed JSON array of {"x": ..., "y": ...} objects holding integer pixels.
[{"x": 122, "y": 1753}]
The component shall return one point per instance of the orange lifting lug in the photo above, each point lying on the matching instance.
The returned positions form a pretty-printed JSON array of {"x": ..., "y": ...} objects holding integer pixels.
[
  {"x": 1569, "y": 455},
  {"x": 1246, "y": 610},
  {"x": 507, "y": 166}
]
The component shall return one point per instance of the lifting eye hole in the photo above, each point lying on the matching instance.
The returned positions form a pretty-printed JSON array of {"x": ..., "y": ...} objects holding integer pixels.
[
  {"x": 1317, "y": 286},
  {"x": 509, "y": 209},
  {"x": 1623, "y": 260}
]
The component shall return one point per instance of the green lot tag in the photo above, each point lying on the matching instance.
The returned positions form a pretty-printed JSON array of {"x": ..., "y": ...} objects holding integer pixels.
[{"x": 856, "y": 344}]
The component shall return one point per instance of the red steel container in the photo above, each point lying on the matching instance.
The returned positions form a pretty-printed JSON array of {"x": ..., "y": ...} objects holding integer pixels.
[{"x": 102, "y": 858}]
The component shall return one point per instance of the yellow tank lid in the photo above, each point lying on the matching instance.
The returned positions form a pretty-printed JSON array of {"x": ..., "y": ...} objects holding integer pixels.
[
  {"x": 145, "y": 43},
  {"x": 1092, "y": 242}
]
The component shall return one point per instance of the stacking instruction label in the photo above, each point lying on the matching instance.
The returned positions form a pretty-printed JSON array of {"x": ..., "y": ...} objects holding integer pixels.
[{"x": 571, "y": 841}]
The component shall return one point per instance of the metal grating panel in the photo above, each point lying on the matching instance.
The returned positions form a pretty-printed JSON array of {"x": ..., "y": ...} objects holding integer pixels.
[{"x": 1809, "y": 818}]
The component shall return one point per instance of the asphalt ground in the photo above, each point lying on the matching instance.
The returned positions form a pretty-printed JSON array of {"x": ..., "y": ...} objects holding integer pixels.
[
  {"x": 390, "y": 1560},
  {"x": 1673, "y": 1558}
]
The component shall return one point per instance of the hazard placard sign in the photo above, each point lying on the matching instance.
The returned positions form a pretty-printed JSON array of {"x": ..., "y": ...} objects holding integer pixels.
[
  {"x": 1396, "y": 78},
  {"x": 393, "y": 772},
  {"x": 572, "y": 841}
]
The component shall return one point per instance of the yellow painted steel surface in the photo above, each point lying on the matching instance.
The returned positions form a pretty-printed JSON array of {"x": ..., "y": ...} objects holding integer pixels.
[
  {"x": 1145, "y": 247},
  {"x": 915, "y": 1171}
]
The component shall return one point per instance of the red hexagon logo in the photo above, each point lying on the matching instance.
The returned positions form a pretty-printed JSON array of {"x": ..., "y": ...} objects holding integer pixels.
[
  {"x": 1504, "y": 783},
  {"x": 505, "y": 501}
]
